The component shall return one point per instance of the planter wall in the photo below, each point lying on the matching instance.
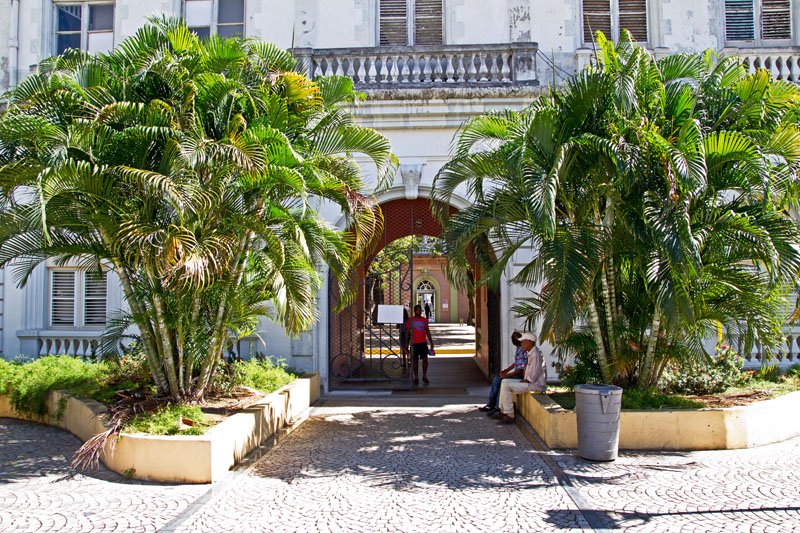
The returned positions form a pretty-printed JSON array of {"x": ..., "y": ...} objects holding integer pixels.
[
  {"x": 702, "y": 429},
  {"x": 178, "y": 458}
]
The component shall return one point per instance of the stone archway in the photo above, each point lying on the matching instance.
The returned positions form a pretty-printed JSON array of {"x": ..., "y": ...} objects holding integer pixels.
[{"x": 404, "y": 217}]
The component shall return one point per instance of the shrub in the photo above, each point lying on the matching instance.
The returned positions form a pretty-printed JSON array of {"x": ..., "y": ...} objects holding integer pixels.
[
  {"x": 706, "y": 375},
  {"x": 164, "y": 421},
  {"x": 29, "y": 382},
  {"x": 653, "y": 399},
  {"x": 583, "y": 370},
  {"x": 265, "y": 375},
  {"x": 794, "y": 370}
]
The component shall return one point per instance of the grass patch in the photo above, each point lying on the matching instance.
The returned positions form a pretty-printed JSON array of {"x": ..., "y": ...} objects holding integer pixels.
[
  {"x": 29, "y": 382},
  {"x": 779, "y": 386},
  {"x": 633, "y": 399},
  {"x": 264, "y": 375},
  {"x": 164, "y": 421}
]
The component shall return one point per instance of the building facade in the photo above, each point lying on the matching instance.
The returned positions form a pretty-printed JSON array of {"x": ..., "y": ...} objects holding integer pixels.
[{"x": 425, "y": 67}]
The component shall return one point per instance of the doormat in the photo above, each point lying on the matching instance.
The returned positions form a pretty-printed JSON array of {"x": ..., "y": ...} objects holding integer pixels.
[{"x": 441, "y": 391}]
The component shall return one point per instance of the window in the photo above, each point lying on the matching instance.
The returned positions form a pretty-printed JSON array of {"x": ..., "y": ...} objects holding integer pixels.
[
  {"x": 613, "y": 16},
  {"x": 425, "y": 285},
  {"x": 84, "y": 26},
  {"x": 409, "y": 22},
  {"x": 215, "y": 17},
  {"x": 66, "y": 307},
  {"x": 755, "y": 21}
]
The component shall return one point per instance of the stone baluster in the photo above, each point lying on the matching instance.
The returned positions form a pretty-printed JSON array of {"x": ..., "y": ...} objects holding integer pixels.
[
  {"x": 775, "y": 67},
  {"x": 394, "y": 73},
  {"x": 383, "y": 72},
  {"x": 427, "y": 69},
  {"x": 415, "y": 71},
  {"x": 790, "y": 345},
  {"x": 483, "y": 68},
  {"x": 82, "y": 345},
  {"x": 449, "y": 71},
  {"x": 505, "y": 71},
  {"x": 43, "y": 347},
  {"x": 469, "y": 67},
  {"x": 351, "y": 71},
  {"x": 372, "y": 72},
  {"x": 361, "y": 74}
]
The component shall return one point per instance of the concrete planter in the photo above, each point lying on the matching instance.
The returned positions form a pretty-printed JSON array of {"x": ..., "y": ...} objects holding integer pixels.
[
  {"x": 177, "y": 458},
  {"x": 701, "y": 429}
]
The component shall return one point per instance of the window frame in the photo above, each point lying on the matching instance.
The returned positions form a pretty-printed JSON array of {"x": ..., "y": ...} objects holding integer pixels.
[
  {"x": 615, "y": 29},
  {"x": 411, "y": 24},
  {"x": 79, "y": 300},
  {"x": 758, "y": 29},
  {"x": 214, "y": 24},
  {"x": 84, "y": 32}
]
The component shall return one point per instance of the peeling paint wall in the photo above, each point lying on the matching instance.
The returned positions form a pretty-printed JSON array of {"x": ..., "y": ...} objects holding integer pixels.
[
  {"x": 691, "y": 26},
  {"x": 476, "y": 21},
  {"x": 345, "y": 23}
]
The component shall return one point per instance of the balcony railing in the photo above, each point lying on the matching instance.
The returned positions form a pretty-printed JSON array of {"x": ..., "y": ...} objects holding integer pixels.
[
  {"x": 426, "y": 66},
  {"x": 782, "y": 63}
]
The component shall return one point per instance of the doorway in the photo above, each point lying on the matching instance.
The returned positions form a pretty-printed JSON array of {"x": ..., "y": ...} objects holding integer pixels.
[{"x": 426, "y": 297}]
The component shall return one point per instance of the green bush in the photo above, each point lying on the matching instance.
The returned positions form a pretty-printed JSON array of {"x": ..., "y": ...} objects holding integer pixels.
[
  {"x": 164, "y": 421},
  {"x": 584, "y": 369},
  {"x": 29, "y": 382},
  {"x": 264, "y": 375},
  {"x": 653, "y": 399},
  {"x": 706, "y": 376}
]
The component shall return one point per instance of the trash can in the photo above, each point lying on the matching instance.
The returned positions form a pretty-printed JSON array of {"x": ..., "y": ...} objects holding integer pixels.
[{"x": 598, "y": 408}]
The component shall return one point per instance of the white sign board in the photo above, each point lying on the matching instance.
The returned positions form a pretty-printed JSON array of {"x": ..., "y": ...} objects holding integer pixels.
[{"x": 390, "y": 314}]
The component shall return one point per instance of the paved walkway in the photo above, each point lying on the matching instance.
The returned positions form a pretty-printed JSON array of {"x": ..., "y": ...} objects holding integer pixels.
[{"x": 408, "y": 464}]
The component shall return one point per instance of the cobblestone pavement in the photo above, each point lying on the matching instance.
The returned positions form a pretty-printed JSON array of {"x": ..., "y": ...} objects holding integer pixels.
[
  {"x": 37, "y": 495},
  {"x": 412, "y": 465}
]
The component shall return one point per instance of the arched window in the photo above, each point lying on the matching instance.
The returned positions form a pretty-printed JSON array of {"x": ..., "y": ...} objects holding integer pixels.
[{"x": 425, "y": 285}]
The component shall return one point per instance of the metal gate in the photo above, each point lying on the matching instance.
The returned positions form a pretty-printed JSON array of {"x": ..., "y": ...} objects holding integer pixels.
[
  {"x": 493, "y": 320},
  {"x": 363, "y": 352}
]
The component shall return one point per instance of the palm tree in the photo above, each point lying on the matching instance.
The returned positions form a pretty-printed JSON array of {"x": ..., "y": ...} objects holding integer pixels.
[
  {"x": 194, "y": 170},
  {"x": 656, "y": 196}
]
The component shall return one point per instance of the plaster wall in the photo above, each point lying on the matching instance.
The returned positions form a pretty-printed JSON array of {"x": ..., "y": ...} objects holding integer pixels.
[
  {"x": 691, "y": 26},
  {"x": 476, "y": 22}
]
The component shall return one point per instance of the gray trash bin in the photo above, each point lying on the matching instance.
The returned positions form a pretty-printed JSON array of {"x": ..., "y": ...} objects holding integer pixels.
[{"x": 598, "y": 408}]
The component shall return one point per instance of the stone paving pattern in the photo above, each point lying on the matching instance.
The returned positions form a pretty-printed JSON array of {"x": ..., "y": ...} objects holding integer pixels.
[{"x": 417, "y": 465}]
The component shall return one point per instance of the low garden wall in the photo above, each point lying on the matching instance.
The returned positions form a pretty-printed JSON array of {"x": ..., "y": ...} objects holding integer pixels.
[
  {"x": 677, "y": 429},
  {"x": 183, "y": 458}
]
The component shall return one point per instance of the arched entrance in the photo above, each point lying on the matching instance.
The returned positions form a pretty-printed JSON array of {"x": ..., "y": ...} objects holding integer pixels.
[{"x": 364, "y": 349}]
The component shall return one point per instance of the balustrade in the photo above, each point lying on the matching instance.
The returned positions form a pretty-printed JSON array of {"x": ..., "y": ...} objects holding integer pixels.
[
  {"x": 425, "y": 66},
  {"x": 781, "y": 63}
]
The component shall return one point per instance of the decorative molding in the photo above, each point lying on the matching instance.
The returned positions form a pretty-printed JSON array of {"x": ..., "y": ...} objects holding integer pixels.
[{"x": 411, "y": 174}]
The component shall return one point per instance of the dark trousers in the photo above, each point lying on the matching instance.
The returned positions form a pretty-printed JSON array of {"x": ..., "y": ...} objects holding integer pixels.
[{"x": 494, "y": 392}]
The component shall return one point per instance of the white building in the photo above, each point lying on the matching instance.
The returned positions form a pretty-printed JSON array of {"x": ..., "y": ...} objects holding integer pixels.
[{"x": 425, "y": 65}]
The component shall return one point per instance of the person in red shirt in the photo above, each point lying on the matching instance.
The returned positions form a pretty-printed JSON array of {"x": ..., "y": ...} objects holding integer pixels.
[{"x": 420, "y": 336}]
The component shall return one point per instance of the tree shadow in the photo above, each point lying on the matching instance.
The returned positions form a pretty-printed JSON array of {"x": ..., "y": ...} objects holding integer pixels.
[
  {"x": 29, "y": 450},
  {"x": 406, "y": 450}
]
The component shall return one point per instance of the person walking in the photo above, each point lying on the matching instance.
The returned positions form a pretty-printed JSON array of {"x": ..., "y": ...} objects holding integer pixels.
[
  {"x": 514, "y": 371},
  {"x": 534, "y": 380},
  {"x": 420, "y": 336},
  {"x": 427, "y": 310}
]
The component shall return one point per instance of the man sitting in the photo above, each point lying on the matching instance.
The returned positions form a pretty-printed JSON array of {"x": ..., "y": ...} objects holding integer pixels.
[
  {"x": 512, "y": 372},
  {"x": 534, "y": 380}
]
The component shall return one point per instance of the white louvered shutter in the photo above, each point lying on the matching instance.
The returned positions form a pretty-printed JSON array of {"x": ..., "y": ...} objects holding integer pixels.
[
  {"x": 776, "y": 19},
  {"x": 393, "y": 23},
  {"x": 739, "y": 20},
  {"x": 95, "y": 292},
  {"x": 62, "y": 298},
  {"x": 633, "y": 17},
  {"x": 596, "y": 17},
  {"x": 428, "y": 22}
]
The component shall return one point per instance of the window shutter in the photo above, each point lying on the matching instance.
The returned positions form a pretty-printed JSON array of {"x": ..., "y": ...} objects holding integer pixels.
[
  {"x": 596, "y": 17},
  {"x": 62, "y": 298},
  {"x": 428, "y": 22},
  {"x": 94, "y": 298},
  {"x": 393, "y": 23},
  {"x": 633, "y": 17},
  {"x": 739, "y": 20},
  {"x": 776, "y": 19}
]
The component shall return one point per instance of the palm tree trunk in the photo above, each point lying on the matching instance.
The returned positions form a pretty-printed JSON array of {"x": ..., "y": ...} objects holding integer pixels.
[
  {"x": 597, "y": 331},
  {"x": 218, "y": 330},
  {"x": 652, "y": 341},
  {"x": 150, "y": 347},
  {"x": 613, "y": 340},
  {"x": 166, "y": 343}
]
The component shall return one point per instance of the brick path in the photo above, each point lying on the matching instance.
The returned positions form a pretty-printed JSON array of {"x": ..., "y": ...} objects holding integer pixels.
[{"x": 416, "y": 467}]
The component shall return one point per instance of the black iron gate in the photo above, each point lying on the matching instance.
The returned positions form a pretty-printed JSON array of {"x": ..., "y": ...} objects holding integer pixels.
[
  {"x": 493, "y": 320},
  {"x": 362, "y": 351}
]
